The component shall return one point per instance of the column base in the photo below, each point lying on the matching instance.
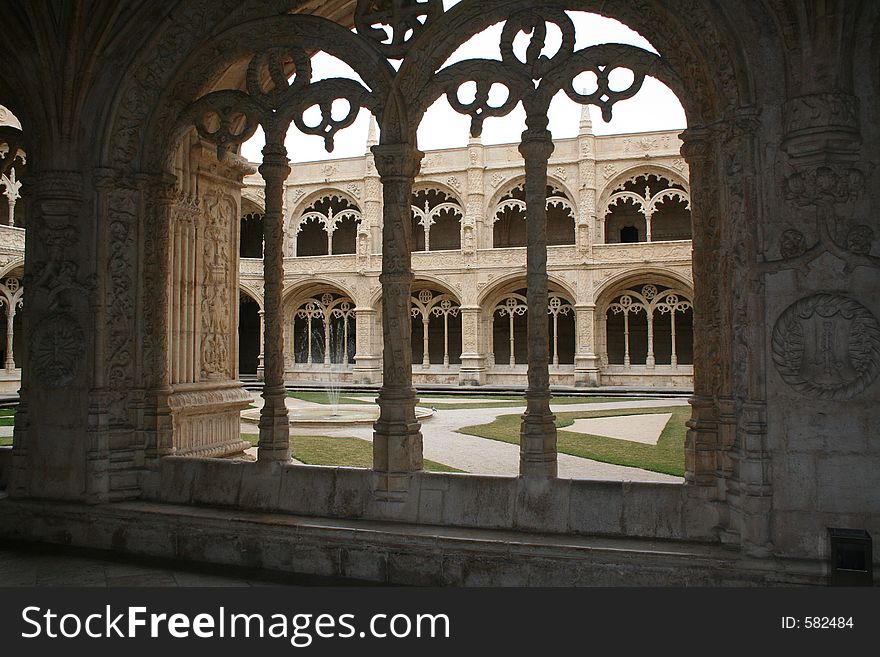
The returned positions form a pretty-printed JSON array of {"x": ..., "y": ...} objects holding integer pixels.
[
  {"x": 472, "y": 371},
  {"x": 586, "y": 371},
  {"x": 537, "y": 440},
  {"x": 274, "y": 424},
  {"x": 367, "y": 370}
]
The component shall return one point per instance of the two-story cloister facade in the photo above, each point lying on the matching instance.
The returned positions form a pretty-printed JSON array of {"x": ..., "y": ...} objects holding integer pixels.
[{"x": 619, "y": 264}]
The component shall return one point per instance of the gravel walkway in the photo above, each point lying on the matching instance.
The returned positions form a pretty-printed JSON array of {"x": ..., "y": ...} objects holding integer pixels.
[{"x": 442, "y": 443}]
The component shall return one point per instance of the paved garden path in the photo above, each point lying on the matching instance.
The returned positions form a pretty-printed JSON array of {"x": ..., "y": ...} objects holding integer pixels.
[{"x": 442, "y": 442}]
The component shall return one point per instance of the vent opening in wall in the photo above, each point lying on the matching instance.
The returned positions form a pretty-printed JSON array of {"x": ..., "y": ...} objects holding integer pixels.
[{"x": 851, "y": 557}]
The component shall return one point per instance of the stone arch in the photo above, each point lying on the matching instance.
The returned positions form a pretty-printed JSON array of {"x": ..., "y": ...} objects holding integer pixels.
[
  {"x": 252, "y": 202},
  {"x": 320, "y": 326},
  {"x": 328, "y": 225},
  {"x": 434, "y": 218},
  {"x": 304, "y": 287},
  {"x": 636, "y": 170},
  {"x": 507, "y": 215},
  {"x": 626, "y": 278},
  {"x": 315, "y": 195},
  {"x": 430, "y": 183},
  {"x": 252, "y": 293},
  {"x": 652, "y": 333},
  {"x": 518, "y": 180},
  {"x": 250, "y": 338},
  {"x": 436, "y": 327},
  {"x": 11, "y": 266},
  {"x": 505, "y": 282},
  {"x": 701, "y": 44}
]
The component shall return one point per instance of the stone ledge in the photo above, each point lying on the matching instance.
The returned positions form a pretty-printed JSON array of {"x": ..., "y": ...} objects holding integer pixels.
[{"x": 390, "y": 553}]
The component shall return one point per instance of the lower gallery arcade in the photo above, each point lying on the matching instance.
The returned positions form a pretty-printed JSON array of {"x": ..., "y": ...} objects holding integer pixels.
[{"x": 738, "y": 259}]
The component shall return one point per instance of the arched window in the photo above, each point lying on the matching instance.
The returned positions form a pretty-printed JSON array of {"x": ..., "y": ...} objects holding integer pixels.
[
  {"x": 650, "y": 326},
  {"x": 251, "y": 244},
  {"x": 322, "y": 330},
  {"x": 11, "y": 301},
  {"x": 437, "y": 321},
  {"x": 509, "y": 332},
  {"x": 648, "y": 208},
  {"x": 436, "y": 220},
  {"x": 510, "y": 218},
  {"x": 13, "y": 165},
  {"x": 328, "y": 226}
]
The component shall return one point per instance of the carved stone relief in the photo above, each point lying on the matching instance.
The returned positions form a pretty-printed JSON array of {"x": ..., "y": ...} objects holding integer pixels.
[{"x": 827, "y": 346}]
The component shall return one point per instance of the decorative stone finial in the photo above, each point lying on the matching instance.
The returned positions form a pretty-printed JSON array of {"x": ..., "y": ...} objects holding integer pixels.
[
  {"x": 586, "y": 124},
  {"x": 372, "y": 140}
]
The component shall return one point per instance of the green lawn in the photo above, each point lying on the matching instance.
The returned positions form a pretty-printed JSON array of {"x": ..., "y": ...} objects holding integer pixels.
[
  {"x": 505, "y": 401},
  {"x": 353, "y": 452},
  {"x": 7, "y": 417},
  {"x": 513, "y": 402},
  {"x": 666, "y": 456},
  {"x": 6, "y": 442},
  {"x": 321, "y": 397}
]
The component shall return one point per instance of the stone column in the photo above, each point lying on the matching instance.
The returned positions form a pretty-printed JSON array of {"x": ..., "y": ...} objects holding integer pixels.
[
  {"x": 649, "y": 359},
  {"x": 426, "y": 354},
  {"x": 260, "y": 357},
  {"x": 397, "y": 440},
  {"x": 10, "y": 316},
  {"x": 538, "y": 429},
  {"x": 160, "y": 196},
  {"x": 472, "y": 371},
  {"x": 586, "y": 367},
  {"x": 701, "y": 443},
  {"x": 674, "y": 360},
  {"x": 473, "y": 225},
  {"x": 366, "y": 362},
  {"x": 274, "y": 442}
]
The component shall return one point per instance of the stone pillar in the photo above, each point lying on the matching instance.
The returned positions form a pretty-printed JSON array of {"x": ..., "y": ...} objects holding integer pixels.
[
  {"x": 261, "y": 356},
  {"x": 366, "y": 362},
  {"x": 274, "y": 442},
  {"x": 160, "y": 195},
  {"x": 586, "y": 217},
  {"x": 473, "y": 225},
  {"x": 9, "y": 302},
  {"x": 538, "y": 429},
  {"x": 701, "y": 444},
  {"x": 57, "y": 326},
  {"x": 473, "y": 369},
  {"x": 649, "y": 359},
  {"x": 397, "y": 440},
  {"x": 586, "y": 363}
]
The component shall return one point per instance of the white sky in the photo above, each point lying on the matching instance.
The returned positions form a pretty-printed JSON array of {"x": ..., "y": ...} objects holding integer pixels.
[{"x": 654, "y": 107}]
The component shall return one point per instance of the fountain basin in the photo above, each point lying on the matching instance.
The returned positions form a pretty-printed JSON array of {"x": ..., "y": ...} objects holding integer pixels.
[{"x": 323, "y": 416}]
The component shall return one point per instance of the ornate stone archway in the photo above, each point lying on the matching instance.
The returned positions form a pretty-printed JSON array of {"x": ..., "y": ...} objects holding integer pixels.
[{"x": 765, "y": 245}]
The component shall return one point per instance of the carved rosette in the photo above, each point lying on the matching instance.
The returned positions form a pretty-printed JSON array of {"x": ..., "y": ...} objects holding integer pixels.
[
  {"x": 827, "y": 346},
  {"x": 56, "y": 350}
]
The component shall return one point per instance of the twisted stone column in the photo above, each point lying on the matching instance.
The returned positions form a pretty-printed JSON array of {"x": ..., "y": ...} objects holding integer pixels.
[
  {"x": 537, "y": 449},
  {"x": 274, "y": 442},
  {"x": 397, "y": 441}
]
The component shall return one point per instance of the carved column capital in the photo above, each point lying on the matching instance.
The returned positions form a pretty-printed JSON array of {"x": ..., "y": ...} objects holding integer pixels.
[
  {"x": 536, "y": 146},
  {"x": 397, "y": 160},
  {"x": 697, "y": 145}
]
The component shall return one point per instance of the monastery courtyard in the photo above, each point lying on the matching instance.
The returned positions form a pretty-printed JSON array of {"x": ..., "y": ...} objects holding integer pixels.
[{"x": 445, "y": 419}]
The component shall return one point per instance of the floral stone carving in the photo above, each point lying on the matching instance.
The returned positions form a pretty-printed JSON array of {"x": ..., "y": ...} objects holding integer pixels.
[{"x": 57, "y": 349}]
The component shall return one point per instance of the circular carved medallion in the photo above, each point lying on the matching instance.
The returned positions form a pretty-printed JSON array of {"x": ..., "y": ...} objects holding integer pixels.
[
  {"x": 827, "y": 346},
  {"x": 58, "y": 345}
]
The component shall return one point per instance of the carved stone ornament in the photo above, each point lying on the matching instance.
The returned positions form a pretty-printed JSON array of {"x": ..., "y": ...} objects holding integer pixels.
[
  {"x": 56, "y": 351},
  {"x": 827, "y": 346}
]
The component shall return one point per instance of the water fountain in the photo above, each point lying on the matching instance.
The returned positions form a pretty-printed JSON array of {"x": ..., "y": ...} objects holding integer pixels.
[{"x": 332, "y": 413}]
